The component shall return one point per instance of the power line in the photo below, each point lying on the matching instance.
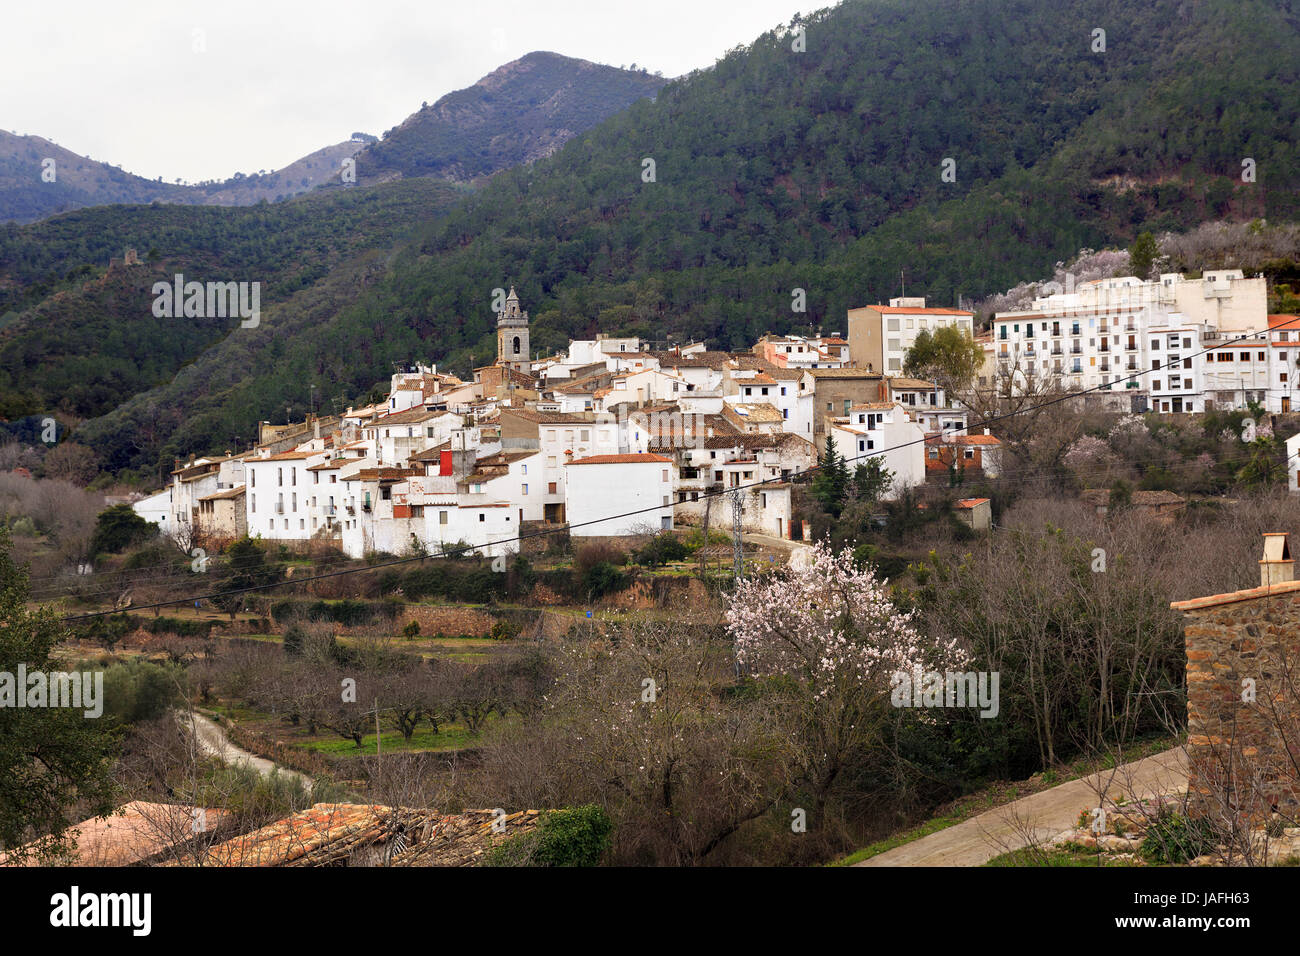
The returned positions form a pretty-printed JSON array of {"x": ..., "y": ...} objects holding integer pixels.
[{"x": 546, "y": 532}]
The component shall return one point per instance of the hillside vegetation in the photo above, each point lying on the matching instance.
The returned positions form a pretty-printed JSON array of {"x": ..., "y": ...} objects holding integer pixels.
[{"x": 820, "y": 170}]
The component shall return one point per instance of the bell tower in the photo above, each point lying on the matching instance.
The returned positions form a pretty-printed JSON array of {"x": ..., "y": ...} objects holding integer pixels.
[{"x": 512, "y": 335}]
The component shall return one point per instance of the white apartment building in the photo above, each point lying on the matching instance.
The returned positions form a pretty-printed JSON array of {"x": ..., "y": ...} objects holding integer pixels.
[
  {"x": 277, "y": 494},
  {"x": 883, "y": 430},
  {"x": 1126, "y": 334},
  {"x": 1284, "y": 362}
]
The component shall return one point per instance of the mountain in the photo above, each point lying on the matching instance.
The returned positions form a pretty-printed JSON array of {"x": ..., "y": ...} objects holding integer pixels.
[
  {"x": 39, "y": 179},
  {"x": 518, "y": 113},
  {"x": 80, "y": 340},
  {"x": 968, "y": 145}
]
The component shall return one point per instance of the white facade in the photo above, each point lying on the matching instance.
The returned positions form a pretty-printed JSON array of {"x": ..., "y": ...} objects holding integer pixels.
[
  {"x": 883, "y": 430},
  {"x": 156, "y": 509},
  {"x": 1126, "y": 334},
  {"x": 638, "y": 489},
  {"x": 277, "y": 493}
]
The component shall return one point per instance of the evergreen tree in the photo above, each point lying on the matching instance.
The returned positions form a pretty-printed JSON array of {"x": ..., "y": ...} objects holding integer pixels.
[
  {"x": 1143, "y": 254},
  {"x": 831, "y": 482},
  {"x": 52, "y": 759}
]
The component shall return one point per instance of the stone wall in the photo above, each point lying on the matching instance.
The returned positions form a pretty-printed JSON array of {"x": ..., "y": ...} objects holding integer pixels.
[
  {"x": 434, "y": 619},
  {"x": 1237, "y": 748}
]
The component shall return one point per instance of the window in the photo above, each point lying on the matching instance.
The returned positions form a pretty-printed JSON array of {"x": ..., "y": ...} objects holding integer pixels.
[
  {"x": 550, "y": 488},
  {"x": 969, "y": 453},
  {"x": 665, "y": 475},
  {"x": 524, "y": 489},
  {"x": 482, "y": 516},
  {"x": 523, "y": 469},
  {"x": 585, "y": 435},
  {"x": 252, "y": 476},
  {"x": 442, "y": 517},
  {"x": 279, "y": 476}
]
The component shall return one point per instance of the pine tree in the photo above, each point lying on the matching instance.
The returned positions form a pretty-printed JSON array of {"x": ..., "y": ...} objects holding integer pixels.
[{"x": 831, "y": 483}]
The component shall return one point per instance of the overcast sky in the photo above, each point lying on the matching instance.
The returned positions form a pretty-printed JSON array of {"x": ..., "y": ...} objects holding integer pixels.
[{"x": 201, "y": 90}]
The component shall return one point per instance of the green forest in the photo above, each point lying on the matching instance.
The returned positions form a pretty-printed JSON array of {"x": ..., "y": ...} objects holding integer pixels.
[{"x": 773, "y": 170}]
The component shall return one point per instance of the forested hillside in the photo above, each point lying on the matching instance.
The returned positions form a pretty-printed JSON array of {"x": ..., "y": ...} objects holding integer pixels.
[
  {"x": 516, "y": 114},
  {"x": 820, "y": 170},
  {"x": 91, "y": 341}
]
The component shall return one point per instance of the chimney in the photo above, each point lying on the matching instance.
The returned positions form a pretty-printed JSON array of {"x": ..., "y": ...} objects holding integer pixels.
[{"x": 1277, "y": 566}]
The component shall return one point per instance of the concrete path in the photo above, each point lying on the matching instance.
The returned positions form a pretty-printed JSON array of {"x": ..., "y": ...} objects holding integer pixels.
[
  {"x": 213, "y": 742},
  {"x": 1039, "y": 817}
]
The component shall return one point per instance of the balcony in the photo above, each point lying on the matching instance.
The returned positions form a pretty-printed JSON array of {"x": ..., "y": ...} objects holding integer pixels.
[
  {"x": 1057, "y": 350},
  {"x": 1131, "y": 347},
  {"x": 1076, "y": 350}
]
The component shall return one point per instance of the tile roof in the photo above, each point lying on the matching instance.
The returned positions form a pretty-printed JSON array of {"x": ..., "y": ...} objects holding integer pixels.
[
  {"x": 1231, "y": 597},
  {"x": 914, "y": 310},
  {"x": 235, "y": 492},
  {"x": 135, "y": 832},
  {"x": 287, "y": 456},
  {"x": 634, "y": 459},
  {"x": 410, "y": 416},
  {"x": 359, "y": 835}
]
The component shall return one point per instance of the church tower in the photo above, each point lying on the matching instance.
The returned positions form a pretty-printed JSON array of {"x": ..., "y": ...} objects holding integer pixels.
[{"x": 512, "y": 335}]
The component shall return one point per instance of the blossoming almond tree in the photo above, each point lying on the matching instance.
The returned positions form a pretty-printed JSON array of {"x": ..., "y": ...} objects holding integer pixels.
[{"x": 828, "y": 639}]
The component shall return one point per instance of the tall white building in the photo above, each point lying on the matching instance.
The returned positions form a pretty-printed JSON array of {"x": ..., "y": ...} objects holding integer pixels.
[{"x": 1171, "y": 340}]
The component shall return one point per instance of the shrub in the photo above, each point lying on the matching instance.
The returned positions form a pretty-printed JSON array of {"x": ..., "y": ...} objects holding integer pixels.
[
  {"x": 138, "y": 690},
  {"x": 603, "y": 578},
  {"x": 411, "y": 631},
  {"x": 117, "y": 529},
  {"x": 294, "y": 640},
  {"x": 661, "y": 549},
  {"x": 589, "y": 555},
  {"x": 1173, "y": 839},
  {"x": 575, "y": 837}
]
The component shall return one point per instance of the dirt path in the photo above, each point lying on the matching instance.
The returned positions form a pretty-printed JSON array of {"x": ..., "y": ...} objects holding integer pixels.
[
  {"x": 213, "y": 742},
  {"x": 1039, "y": 817}
]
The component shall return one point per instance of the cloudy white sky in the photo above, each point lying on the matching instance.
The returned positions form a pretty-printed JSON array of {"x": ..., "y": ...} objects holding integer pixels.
[{"x": 127, "y": 83}]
